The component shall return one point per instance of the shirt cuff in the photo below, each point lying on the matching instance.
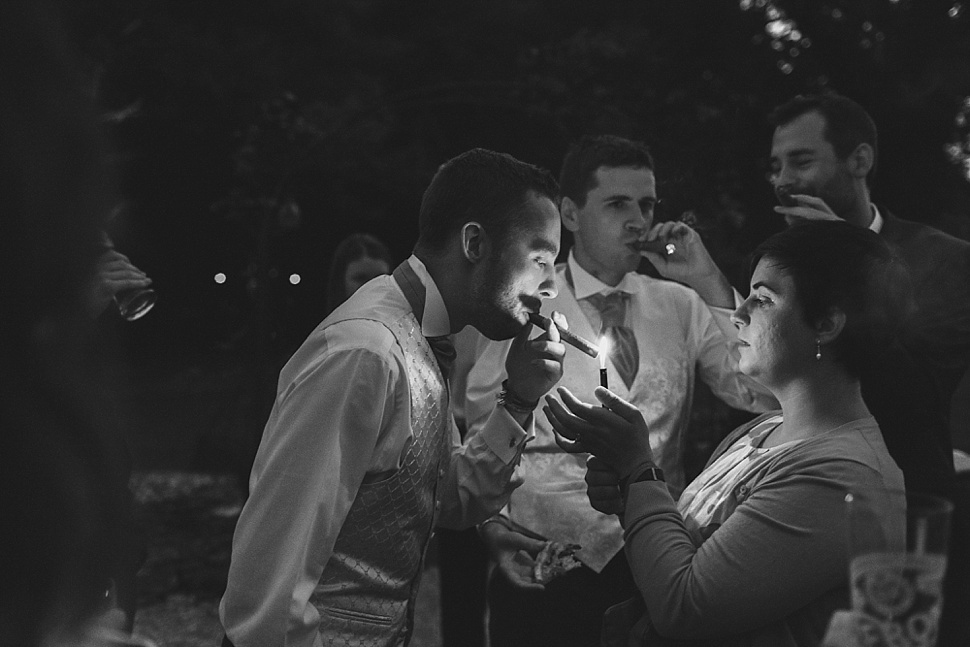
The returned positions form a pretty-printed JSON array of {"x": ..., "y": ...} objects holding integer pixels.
[
  {"x": 722, "y": 316},
  {"x": 504, "y": 436}
]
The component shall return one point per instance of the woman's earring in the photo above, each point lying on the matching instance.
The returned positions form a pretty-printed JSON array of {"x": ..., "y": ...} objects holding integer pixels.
[{"x": 818, "y": 349}]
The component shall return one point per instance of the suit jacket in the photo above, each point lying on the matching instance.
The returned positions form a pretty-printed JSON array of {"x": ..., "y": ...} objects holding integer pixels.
[{"x": 910, "y": 389}]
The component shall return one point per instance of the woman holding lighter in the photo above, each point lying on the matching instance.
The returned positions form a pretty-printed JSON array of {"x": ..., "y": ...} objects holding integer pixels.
[{"x": 754, "y": 552}]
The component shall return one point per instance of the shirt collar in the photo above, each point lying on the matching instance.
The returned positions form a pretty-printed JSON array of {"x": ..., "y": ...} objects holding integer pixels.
[
  {"x": 435, "y": 321},
  {"x": 877, "y": 221},
  {"x": 586, "y": 285}
]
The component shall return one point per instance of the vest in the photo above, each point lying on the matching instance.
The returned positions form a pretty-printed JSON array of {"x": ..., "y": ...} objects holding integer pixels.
[{"x": 367, "y": 592}]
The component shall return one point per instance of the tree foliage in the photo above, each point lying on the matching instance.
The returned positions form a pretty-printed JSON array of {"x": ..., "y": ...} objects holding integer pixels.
[{"x": 254, "y": 135}]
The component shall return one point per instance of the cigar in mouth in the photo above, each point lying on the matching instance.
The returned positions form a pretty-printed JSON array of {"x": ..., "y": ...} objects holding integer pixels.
[
  {"x": 573, "y": 340},
  {"x": 657, "y": 246},
  {"x": 783, "y": 194}
]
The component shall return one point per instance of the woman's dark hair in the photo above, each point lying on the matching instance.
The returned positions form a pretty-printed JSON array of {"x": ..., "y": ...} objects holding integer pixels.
[
  {"x": 350, "y": 249},
  {"x": 836, "y": 265}
]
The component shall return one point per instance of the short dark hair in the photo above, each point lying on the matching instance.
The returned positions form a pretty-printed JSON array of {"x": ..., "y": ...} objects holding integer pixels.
[
  {"x": 482, "y": 186},
  {"x": 847, "y": 124},
  {"x": 350, "y": 249},
  {"x": 835, "y": 264},
  {"x": 578, "y": 175}
]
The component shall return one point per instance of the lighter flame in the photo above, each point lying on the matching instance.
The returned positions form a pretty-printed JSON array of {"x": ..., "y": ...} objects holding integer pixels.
[{"x": 604, "y": 350}]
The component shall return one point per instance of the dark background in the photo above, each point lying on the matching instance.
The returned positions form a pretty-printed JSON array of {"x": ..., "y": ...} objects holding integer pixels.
[{"x": 250, "y": 137}]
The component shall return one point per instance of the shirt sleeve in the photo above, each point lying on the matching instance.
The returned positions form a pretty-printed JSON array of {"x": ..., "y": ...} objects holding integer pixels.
[
  {"x": 321, "y": 439},
  {"x": 716, "y": 339},
  {"x": 483, "y": 472},
  {"x": 781, "y": 549}
]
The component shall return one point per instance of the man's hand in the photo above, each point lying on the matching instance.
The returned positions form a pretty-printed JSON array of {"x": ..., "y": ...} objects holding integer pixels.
[
  {"x": 114, "y": 274},
  {"x": 534, "y": 366},
  {"x": 614, "y": 432},
  {"x": 514, "y": 553},
  {"x": 603, "y": 487},
  {"x": 691, "y": 264},
  {"x": 806, "y": 207}
]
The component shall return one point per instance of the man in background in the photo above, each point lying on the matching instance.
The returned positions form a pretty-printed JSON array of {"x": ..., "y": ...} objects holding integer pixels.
[{"x": 823, "y": 152}]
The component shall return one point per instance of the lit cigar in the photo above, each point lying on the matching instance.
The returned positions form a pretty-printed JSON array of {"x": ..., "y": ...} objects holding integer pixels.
[
  {"x": 656, "y": 246},
  {"x": 568, "y": 337}
]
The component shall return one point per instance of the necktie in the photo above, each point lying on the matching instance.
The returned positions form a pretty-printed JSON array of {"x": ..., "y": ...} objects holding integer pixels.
[
  {"x": 414, "y": 291},
  {"x": 623, "y": 344},
  {"x": 444, "y": 352}
]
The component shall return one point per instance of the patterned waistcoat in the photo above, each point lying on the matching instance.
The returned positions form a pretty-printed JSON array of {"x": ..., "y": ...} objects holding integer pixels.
[{"x": 367, "y": 591}]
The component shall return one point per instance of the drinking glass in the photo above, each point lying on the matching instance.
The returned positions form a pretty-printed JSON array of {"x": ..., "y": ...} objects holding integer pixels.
[
  {"x": 135, "y": 304},
  {"x": 897, "y": 560}
]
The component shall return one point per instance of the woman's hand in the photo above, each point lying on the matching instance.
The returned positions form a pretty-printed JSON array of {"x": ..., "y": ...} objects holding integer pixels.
[
  {"x": 603, "y": 488},
  {"x": 616, "y": 432}
]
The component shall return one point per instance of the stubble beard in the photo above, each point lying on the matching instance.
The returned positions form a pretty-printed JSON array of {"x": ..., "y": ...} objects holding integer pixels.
[{"x": 496, "y": 304}]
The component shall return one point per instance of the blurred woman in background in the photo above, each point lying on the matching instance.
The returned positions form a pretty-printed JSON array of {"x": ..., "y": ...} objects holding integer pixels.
[{"x": 357, "y": 259}]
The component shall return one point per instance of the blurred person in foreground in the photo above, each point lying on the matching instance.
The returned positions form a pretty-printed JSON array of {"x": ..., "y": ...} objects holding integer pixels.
[
  {"x": 754, "y": 552},
  {"x": 63, "y": 478},
  {"x": 675, "y": 334},
  {"x": 360, "y": 458},
  {"x": 357, "y": 259},
  {"x": 823, "y": 153}
]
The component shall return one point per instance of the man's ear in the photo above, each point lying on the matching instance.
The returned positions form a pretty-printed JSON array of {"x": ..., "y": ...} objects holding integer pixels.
[
  {"x": 569, "y": 214},
  {"x": 861, "y": 160},
  {"x": 474, "y": 242},
  {"x": 829, "y": 327}
]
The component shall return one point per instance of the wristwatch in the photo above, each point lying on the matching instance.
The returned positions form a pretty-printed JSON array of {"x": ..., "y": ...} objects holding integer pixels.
[{"x": 648, "y": 474}]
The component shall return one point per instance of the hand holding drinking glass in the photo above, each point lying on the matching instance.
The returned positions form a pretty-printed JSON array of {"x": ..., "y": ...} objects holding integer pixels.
[{"x": 118, "y": 280}]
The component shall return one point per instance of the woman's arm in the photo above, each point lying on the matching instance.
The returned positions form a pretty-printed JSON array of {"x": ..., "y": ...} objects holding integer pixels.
[{"x": 781, "y": 549}]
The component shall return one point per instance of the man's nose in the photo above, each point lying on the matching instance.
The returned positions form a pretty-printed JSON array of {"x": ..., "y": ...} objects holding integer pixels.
[
  {"x": 639, "y": 223},
  {"x": 780, "y": 176},
  {"x": 548, "y": 288}
]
